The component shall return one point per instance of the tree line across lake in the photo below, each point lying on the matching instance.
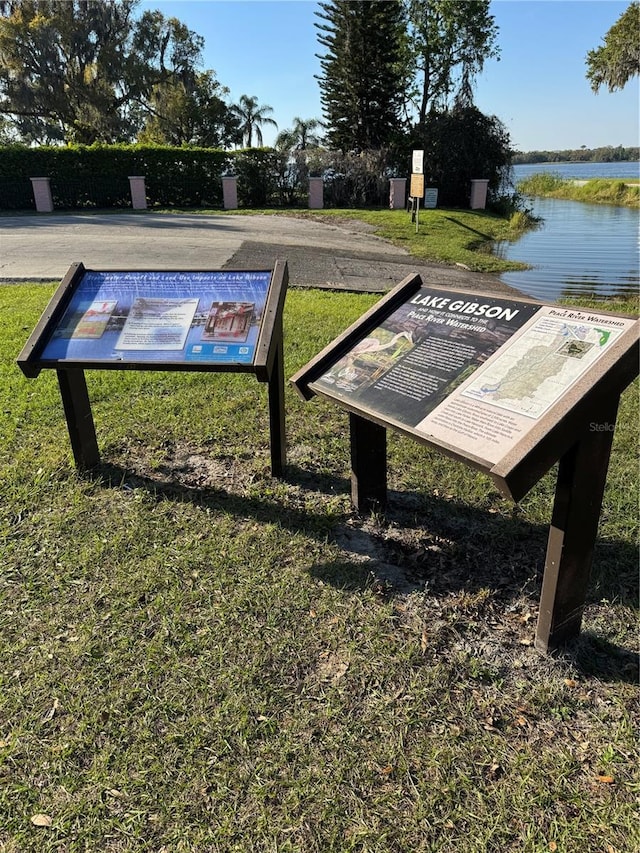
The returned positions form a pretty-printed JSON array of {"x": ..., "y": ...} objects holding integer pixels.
[{"x": 605, "y": 154}]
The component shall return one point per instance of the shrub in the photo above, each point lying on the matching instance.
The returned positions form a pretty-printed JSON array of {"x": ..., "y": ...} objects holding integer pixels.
[
  {"x": 459, "y": 145},
  {"x": 97, "y": 175},
  {"x": 256, "y": 170}
]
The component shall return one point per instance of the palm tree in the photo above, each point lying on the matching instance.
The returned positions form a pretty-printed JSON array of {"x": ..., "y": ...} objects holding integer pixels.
[
  {"x": 301, "y": 136},
  {"x": 252, "y": 117},
  {"x": 304, "y": 132}
]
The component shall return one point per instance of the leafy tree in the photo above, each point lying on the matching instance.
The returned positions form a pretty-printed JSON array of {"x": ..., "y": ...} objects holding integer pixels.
[
  {"x": 461, "y": 144},
  {"x": 301, "y": 136},
  {"x": 196, "y": 114},
  {"x": 86, "y": 70},
  {"x": 251, "y": 118},
  {"x": 364, "y": 72},
  {"x": 616, "y": 61},
  {"x": 450, "y": 42}
]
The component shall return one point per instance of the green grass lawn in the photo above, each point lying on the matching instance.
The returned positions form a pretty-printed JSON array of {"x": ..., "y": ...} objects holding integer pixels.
[
  {"x": 447, "y": 236},
  {"x": 195, "y": 657}
]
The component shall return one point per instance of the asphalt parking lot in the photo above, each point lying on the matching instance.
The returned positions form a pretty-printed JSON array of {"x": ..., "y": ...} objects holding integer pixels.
[{"x": 339, "y": 255}]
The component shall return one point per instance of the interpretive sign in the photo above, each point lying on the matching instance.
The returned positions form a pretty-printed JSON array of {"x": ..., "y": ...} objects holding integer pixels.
[
  {"x": 417, "y": 162},
  {"x": 506, "y": 385},
  {"x": 431, "y": 197},
  {"x": 213, "y": 320},
  {"x": 479, "y": 376},
  {"x": 123, "y": 317}
]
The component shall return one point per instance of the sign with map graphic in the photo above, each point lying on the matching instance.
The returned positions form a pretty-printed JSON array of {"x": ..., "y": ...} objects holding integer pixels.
[
  {"x": 484, "y": 377},
  {"x": 503, "y": 400},
  {"x": 506, "y": 385}
]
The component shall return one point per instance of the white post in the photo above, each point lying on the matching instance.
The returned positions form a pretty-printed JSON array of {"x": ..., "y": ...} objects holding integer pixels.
[
  {"x": 478, "y": 194},
  {"x": 316, "y": 194},
  {"x": 397, "y": 193},
  {"x": 230, "y": 192},
  {"x": 138, "y": 192},
  {"x": 42, "y": 195}
]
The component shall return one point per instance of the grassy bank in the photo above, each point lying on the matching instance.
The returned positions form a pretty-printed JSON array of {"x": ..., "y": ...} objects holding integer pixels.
[
  {"x": 196, "y": 658},
  {"x": 599, "y": 191},
  {"x": 446, "y": 236}
]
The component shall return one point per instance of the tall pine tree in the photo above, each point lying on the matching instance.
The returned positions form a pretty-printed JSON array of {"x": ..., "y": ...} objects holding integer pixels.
[{"x": 364, "y": 72}]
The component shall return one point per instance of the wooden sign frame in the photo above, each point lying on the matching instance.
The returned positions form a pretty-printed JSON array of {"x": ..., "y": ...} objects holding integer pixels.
[
  {"x": 173, "y": 320},
  {"x": 571, "y": 422},
  {"x": 416, "y": 188}
]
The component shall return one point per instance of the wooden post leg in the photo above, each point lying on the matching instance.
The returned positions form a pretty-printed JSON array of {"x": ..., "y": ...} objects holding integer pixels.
[
  {"x": 277, "y": 428},
  {"x": 582, "y": 476},
  {"x": 368, "y": 464},
  {"x": 77, "y": 410}
]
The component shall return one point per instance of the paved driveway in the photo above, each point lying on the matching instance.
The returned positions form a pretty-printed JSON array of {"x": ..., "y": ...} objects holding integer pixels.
[{"x": 344, "y": 255}]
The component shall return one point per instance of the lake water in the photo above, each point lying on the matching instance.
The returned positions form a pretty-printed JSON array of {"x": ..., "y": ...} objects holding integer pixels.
[
  {"x": 581, "y": 250},
  {"x": 580, "y": 171}
]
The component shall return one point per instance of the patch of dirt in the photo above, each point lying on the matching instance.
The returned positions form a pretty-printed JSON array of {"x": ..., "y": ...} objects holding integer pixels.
[
  {"x": 344, "y": 222},
  {"x": 460, "y": 579}
]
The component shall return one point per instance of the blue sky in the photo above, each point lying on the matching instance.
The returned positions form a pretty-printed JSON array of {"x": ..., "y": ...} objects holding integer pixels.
[{"x": 538, "y": 89}]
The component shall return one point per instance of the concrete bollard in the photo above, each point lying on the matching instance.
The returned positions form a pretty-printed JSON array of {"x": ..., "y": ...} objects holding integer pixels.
[
  {"x": 478, "y": 194},
  {"x": 42, "y": 195},
  {"x": 230, "y": 192},
  {"x": 397, "y": 193},
  {"x": 138, "y": 192},
  {"x": 316, "y": 194}
]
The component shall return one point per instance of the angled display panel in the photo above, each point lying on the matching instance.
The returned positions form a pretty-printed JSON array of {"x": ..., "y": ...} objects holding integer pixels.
[
  {"x": 483, "y": 377},
  {"x": 180, "y": 320},
  {"x": 144, "y": 318}
]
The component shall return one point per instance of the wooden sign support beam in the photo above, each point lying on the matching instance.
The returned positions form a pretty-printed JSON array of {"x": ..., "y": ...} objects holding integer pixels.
[
  {"x": 582, "y": 474},
  {"x": 77, "y": 410},
  {"x": 368, "y": 464},
  {"x": 277, "y": 428}
]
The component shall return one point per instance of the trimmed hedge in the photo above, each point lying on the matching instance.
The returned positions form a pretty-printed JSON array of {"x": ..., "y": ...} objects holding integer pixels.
[{"x": 97, "y": 175}]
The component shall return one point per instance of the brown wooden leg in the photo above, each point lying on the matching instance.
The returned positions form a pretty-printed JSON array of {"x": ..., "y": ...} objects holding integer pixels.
[
  {"x": 368, "y": 464},
  {"x": 582, "y": 476},
  {"x": 77, "y": 410},
  {"x": 277, "y": 428}
]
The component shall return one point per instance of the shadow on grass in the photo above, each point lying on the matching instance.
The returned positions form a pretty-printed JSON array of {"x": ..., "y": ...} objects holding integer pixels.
[
  {"x": 421, "y": 543},
  {"x": 469, "y": 228},
  {"x": 596, "y": 657}
]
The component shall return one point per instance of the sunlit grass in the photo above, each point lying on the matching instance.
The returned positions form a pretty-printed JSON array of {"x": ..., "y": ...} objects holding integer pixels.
[
  {"x": 195, "y": 657},
  {"x": 596, "y": 191}
]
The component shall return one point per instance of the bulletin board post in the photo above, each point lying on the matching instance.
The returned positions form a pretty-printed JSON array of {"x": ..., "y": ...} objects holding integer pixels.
[{"x": 417, "y": 192}]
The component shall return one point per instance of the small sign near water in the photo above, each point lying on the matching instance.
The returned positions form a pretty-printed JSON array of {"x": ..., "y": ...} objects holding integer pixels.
[{"x": 431, "y": 197}]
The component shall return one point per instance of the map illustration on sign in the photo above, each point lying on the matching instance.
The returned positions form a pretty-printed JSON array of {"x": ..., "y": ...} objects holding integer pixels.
[
  {"x": 535, "y": 370},
  {"x": 428, "y": 346}
]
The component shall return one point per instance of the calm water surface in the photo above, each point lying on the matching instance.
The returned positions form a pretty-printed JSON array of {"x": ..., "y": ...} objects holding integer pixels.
[
  {"x": 580, "y": 171},
  {"x": 581, "y": 250}
]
